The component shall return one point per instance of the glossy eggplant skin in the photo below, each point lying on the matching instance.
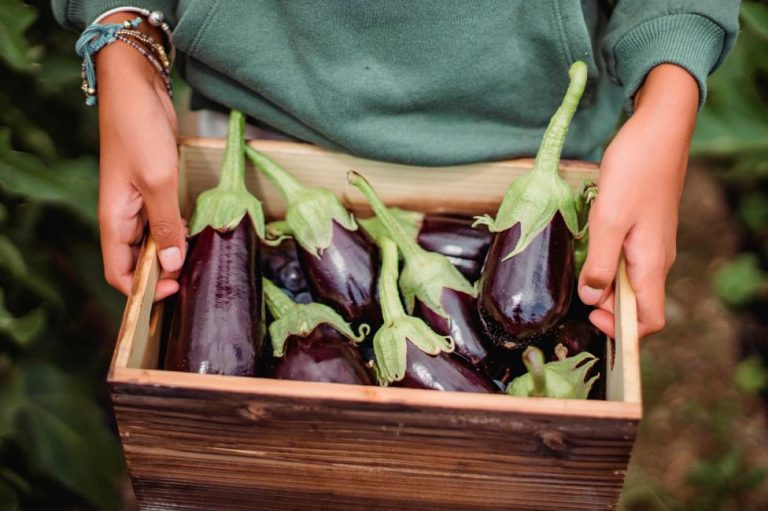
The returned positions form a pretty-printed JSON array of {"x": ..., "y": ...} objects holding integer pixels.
[
  {"x": 322, "y": 356},
  {"x": 454, "y": 237},
  {"x": 344, "y": 276},
  {"x": 281, "y": 265},
  {"x": 520, "y": 299},
  {"x": 464, "y": 326},
  {"x": 441, "y": 372},
  {"x": 218, "y": 325}
]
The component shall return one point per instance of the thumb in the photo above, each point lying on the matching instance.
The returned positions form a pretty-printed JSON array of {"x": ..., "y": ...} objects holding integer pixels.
[
  {"x": 606, "y": 238},
  {"x": 165, "y": 225}
]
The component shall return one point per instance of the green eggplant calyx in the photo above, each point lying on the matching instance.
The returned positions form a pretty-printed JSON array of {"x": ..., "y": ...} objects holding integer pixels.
[
  {"x": 564, "y": 379},
  {"x": 277, "y": 232},
  {"x": 425, "y": 274},
  {"x": 410, "y": 221},
  {"x": 389, "y": 343},
  {"x": 310, "y": 211},
  {"x": 224, "y": 206},
  {"x": 300, "y": 320},
  {"x": 584, "y": 200},
  {"x": 533, "y": 199}
]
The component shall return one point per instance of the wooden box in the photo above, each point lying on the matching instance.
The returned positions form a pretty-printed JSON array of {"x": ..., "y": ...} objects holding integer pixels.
[{"x": 216, "y": 443}]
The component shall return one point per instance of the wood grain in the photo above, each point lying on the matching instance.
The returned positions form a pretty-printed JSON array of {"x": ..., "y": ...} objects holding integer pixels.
[{"x": 212, "y": 449}]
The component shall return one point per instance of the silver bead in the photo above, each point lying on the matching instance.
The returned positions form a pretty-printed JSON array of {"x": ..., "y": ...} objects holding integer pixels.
[{"x": 156, "y": 18}]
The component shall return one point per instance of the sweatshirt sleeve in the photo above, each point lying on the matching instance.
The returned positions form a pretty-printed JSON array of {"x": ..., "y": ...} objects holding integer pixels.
[
  {"x": 694, "y": 34},
  {"x": 80, "y": 13}
]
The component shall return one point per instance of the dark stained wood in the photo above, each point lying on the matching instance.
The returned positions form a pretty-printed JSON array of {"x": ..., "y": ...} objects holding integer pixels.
[{"x": 202, "y": 449}]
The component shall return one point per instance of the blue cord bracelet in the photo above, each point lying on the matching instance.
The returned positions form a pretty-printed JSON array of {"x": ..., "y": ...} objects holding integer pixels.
[{"x": 94, "y": 38}]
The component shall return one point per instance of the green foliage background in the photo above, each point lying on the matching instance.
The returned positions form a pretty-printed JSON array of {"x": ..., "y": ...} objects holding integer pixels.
[{"x": 58, "y": 448}]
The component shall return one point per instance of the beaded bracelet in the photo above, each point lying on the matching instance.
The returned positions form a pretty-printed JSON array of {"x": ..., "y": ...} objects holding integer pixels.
[{"x": 97, "y": 36}]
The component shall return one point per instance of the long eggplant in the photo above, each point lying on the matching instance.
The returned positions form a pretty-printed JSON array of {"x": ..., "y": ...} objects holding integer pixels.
[
  {"x": 527, "y": 280},
  {"x": 338, "y": 260},
  {"x": 218, "y": 327},
  {"x": 433, "y": 288},
  {"x": 464, "y": 246},
  {"x": 311, "y": 342},
  {"x": 565, "y": 379},
  {"x": 410, "y": 354}
]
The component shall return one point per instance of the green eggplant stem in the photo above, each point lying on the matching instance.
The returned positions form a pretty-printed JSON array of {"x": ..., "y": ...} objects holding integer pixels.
[
  {"x": 395, "y": 230},
  {"x": 233, "y": 167},
  {"x": 389, "y": 296},
  {"x": 533, "y": 359},
  {"x": 548, "y": 157},
  {"x": 288, "y": 185},
  {"x": 278, "y": 302}
]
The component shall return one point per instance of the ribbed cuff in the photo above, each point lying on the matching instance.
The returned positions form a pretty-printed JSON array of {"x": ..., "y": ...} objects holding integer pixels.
[
  {"x": 81, "y": 13},
  {"x": 691, "y": 41}
]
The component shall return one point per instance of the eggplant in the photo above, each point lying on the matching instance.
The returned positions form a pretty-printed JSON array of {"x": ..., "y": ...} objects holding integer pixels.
[
  {"x": 433, "y": 288},
  {"x": 454, "y": 237},
  {"x": 311, "y": 342},
  {"x": 280, "y": 264},
  {"x": 218, "y": 324},
  {"x": 407, "y": 352},
  {"x": 564, "y": 379},
  {"x": 527, "y": 280},
  {"x": 340, "y": 263}
]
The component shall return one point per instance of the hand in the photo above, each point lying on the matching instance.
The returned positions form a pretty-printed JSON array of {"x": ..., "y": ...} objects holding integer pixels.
[
  {"x": 138, "y": 168},
  {"x": 641, "y": 180}
]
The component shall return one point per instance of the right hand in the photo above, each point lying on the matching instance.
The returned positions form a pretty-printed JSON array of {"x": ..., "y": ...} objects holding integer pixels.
[{"x": 138, "y": 168}]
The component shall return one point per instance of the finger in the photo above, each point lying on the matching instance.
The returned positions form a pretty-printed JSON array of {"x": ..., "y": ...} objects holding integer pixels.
[
  {"x": 604, "y": 321},
  {"x": 120, "y": 232},
  {"x": 606, "y": 237},
  {"x": 647, "y": 273},
  {"x": 162, "y": 207},
  {"x": 165, "y": 288}
]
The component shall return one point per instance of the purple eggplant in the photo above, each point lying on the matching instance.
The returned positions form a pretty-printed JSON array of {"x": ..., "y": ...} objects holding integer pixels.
[
  {"x": 338, "y": 260},
  {"x": 454, "y": 237},
  {"x": 218, "y": 324},
  {"x": 280, "y": 264},
  {"x": 410, "y": 354},
  {"x": 311, "y": 342},
  {"x": 527, "y": 279},
  {"x": 433, "y": 288}
]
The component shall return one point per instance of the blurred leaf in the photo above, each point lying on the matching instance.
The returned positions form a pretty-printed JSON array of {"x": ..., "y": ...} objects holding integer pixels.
[
  {"x": 15, "y": 18},
  {"x": 751, "y": 376},
  {"x": 9, "y": 498},
  {"x": 21, "y": 329},
  {"x": 735, "y": 118},
  {"x": 63, "y": 434},
  {"x": 69, "y": 184},
  {"x": 740, "y": 281},
  {"x": 753, "y": 210},
  {"x": 10, "y": 257}
]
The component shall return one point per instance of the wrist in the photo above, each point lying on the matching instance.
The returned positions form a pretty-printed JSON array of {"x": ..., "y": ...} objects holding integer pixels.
[{"x": 669, "y": 94}]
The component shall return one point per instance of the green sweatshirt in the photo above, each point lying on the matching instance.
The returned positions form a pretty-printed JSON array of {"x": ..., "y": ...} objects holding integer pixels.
[{"x": 432, "y": 82}]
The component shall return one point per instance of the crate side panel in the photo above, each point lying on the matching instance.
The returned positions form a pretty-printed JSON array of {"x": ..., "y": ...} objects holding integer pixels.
[{"x": 192, "y": 449}]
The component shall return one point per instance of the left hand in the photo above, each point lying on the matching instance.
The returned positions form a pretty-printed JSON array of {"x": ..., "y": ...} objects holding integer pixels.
[{"x": 641, "y": 181}]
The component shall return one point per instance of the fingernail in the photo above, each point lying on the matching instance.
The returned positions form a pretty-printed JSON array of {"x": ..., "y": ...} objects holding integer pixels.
[
  {"x": 170, "y": 258},
  {"x": 590, "y": 295}
]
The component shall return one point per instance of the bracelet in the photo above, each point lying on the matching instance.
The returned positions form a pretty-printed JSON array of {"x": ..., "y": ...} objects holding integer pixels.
[
  {"x": 154, "y": 18},
  {"x": 97, "y": 36}
]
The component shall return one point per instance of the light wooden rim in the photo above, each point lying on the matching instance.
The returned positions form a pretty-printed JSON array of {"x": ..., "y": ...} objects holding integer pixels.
[{"x": 376, "y": 395}]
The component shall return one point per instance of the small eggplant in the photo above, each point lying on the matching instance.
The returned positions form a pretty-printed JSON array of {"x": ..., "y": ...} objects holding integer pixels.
[
  {"x": 218, "y": 328},
  {"x": 311, "y": 342},
  {"x": 432, "y": 286},
  {"x": 410, "y": 354},
  {"x": 452, "y": 236},
  {"x": 338, "y": 260},
  {"x": 526, "y": 283},
  {"x": 280, "y": 264},
  {"x": 564, "y": 379}
]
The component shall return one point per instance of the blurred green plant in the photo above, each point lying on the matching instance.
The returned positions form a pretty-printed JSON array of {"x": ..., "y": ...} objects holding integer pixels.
[
  {"x": 740, "y": 281},
  {"x": 58, "y": 449}
]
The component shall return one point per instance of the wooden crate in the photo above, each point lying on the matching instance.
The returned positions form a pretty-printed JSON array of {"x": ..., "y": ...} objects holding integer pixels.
[{"x": 208, "y": 442}]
